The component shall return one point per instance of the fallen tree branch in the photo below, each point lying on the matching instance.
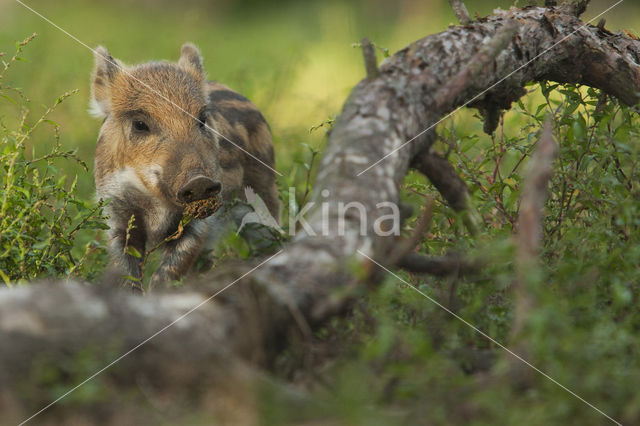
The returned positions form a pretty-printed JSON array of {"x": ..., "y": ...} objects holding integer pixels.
[
  {"x": 208, "y": 360},
  {"x": 487, "y": 54},
  {"x": 438, "y": 266}
]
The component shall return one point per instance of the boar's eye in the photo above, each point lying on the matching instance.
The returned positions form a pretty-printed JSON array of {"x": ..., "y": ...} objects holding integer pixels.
[
  {"x": 140, "y": 126},
  {"x": 202, "y": 120}
]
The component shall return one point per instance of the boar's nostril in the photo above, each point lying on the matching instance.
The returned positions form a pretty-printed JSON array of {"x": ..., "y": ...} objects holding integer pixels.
[
  {"x": 198, "y": 188},
  {"x": 213, "y": 189}
]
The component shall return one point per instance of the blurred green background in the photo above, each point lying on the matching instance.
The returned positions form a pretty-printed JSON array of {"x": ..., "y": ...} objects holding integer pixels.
[{"x": 294, "y": 59}]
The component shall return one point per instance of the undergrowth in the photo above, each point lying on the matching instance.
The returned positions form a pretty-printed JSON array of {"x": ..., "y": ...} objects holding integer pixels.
[
  {"x": 44, "y": 225},
  {"x": 412, "y": 362}
]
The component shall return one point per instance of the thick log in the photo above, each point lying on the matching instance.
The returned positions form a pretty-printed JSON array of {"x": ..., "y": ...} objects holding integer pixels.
[{"x": 60, "y": 333}]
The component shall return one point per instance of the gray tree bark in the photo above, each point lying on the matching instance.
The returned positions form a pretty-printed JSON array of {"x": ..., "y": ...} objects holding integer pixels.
[{"x": 58, "y": 333}]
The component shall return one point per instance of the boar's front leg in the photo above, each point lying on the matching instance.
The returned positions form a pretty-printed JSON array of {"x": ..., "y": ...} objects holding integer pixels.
[
  {"x": 180, "y": 254},
  {"x": 129, "y": 267}
]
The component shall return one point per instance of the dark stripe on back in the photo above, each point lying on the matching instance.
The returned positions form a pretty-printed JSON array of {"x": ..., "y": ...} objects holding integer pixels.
[
  {"x": 233, "y": 137},
  {"x": 271, "y": 157},
  {"x": 251, "y": 119},
  {"x": 226, "y": 95}
]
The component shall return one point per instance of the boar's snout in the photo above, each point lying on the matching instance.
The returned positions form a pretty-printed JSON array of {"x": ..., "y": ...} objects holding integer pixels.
[{"x": 198, "y": 188}]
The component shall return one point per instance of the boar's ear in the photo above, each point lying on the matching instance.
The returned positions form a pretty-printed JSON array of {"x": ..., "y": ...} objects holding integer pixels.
[
  {"x": 105, "y": 70},
  {"x": 191, "y": 60}
]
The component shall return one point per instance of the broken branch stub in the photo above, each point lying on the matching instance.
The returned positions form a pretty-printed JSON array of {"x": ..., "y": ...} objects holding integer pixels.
[
  {"x": 370, "y": 60},
  {"x": 461, "y": 11}
]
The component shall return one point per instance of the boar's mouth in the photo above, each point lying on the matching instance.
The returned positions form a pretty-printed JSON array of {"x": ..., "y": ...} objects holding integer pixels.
[
  {"x": 201, "y": 209},
  {"x": 201, "y": 197}
]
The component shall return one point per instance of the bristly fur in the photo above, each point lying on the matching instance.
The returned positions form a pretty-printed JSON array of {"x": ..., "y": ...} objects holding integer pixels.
[
  {"x": 149, "y": 148},
  {"x": 95, "y": 109}
]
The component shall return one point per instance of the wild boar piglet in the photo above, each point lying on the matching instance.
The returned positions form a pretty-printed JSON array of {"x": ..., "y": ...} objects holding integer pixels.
[{"x": 172, "y": 140}]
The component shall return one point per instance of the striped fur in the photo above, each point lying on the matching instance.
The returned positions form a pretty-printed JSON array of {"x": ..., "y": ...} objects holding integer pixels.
[{"x": 140, "y": 167}]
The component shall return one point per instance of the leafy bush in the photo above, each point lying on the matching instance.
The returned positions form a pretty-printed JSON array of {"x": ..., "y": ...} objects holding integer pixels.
[
  {"x": 41, "y": 218},
  {"x": 413, "y": 363}
]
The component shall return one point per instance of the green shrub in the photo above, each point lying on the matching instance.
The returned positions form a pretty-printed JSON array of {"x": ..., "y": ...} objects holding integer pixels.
[
  {"x": 410, "y": 362},
  {"x": 42, "y": 220}
]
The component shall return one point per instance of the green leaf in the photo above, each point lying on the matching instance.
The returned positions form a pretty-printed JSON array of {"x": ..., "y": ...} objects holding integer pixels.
[
  {"x": 5, "y": 278},
  {"x": 9, "y": 99},
  {"x": 132, "y": 251},
  {"x": 132, "y": 278}
]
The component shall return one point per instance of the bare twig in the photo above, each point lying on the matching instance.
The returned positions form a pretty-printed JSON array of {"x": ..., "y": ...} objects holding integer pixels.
[
  {"x": 461, "y": 11},
  {"x": 453, "y": 189},
  {"x": 407, "y": 246},
  {"x": 370, "y": 60},
  {"x": 307, "y": 189},
  {"x": 578, "y": 7},
  {"x": 438, "y": 266},
  {"x": 534, "y": 195}
]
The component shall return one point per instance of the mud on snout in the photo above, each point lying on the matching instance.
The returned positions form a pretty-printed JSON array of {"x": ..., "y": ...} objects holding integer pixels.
[{"x": 201, "y": 197}]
